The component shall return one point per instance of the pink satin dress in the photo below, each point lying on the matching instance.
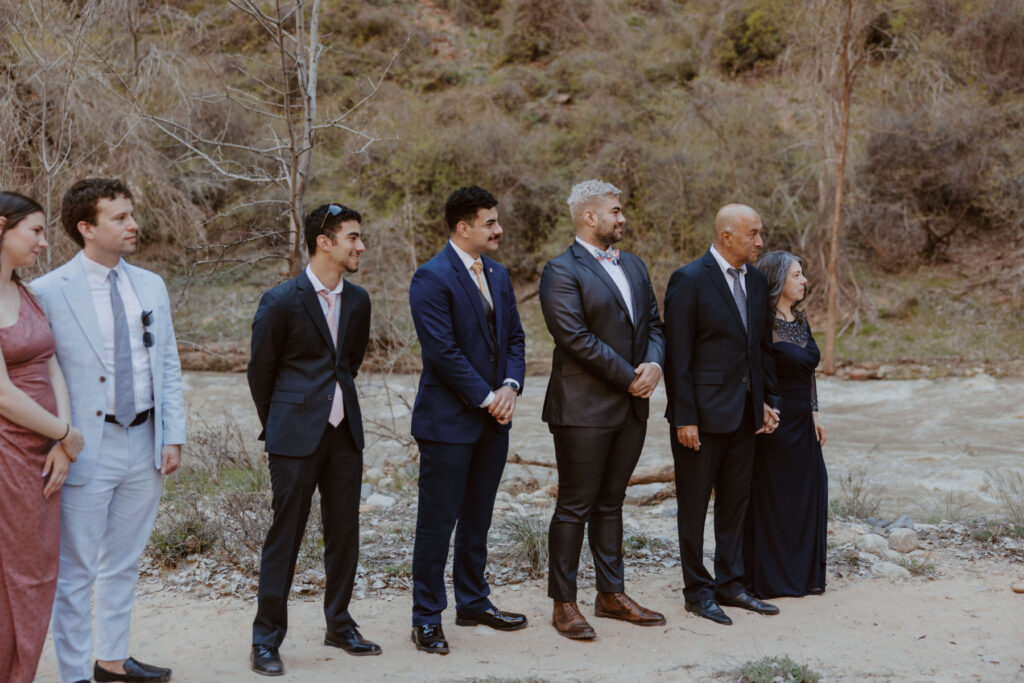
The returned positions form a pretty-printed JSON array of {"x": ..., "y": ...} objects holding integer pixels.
[{"x": 29, "y": 523}]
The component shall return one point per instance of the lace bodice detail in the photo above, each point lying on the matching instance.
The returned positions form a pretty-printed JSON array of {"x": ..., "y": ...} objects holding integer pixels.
[{"x": 796, "y": 332}]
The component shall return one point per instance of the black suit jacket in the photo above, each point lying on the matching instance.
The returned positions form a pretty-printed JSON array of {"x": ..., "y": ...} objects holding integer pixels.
[
  {"x": 597, "y": 346},
  {"x": 294, "y": 365},
  {"x": 711, "y": 359}
]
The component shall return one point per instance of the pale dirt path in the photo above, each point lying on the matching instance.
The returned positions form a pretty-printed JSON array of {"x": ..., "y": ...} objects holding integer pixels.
[{"x": 965, "y": 626}]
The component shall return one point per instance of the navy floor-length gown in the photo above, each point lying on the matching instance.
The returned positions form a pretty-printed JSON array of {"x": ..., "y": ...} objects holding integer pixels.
[{"x": 787, "y": 518}]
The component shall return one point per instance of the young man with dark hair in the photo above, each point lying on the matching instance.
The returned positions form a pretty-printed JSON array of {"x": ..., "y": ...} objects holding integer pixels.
[
  {"x": 115, "y": 342},
  {"x": 473, "y": 351},
  {"x": 308, "y": 340}
]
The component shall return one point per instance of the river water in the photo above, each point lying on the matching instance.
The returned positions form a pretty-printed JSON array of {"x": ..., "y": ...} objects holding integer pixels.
[{"x": 923, "y": 446}]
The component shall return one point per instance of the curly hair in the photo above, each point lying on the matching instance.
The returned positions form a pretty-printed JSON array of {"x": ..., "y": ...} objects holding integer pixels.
[
  {"x": 79, "y": 203},
  {"x": 582, "y": 193},
  {"x": 775, "y": 265},
  {"x": 464, "y": 203},
  {"x": 324, "y": 220}
]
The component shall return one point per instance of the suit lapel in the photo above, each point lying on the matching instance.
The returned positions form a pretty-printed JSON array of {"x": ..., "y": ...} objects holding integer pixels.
[
  {"x": 79, "y": 298},
  {"x": 344, "y": 311},
  {"x": 471, "y": 290},
  {"x": 311, "y": 300},
  {"x": 718, "y": 280},
  {"x": 588, "y": 260},
  {"x": 495, "y": 294}
]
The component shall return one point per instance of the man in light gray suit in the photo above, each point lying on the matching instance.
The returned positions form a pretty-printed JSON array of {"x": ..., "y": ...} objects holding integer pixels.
[{"x": 115, "y": 343}]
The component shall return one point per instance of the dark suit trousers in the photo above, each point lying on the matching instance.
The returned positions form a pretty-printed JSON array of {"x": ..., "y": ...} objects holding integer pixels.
[
  {"x": 457, "y": 486},
  {"x": 725, "y": 463},
  {"x": 594, "y": 467},
  {"x": 336, "y": 468}
]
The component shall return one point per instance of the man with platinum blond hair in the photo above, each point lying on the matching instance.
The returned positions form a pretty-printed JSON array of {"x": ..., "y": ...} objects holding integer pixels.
[{"x": 600, "y": 308}]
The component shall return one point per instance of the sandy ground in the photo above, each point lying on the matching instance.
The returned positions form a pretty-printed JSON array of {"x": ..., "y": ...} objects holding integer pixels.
[
  {"x": 916, "y": 439},
  {"x": 966, "y": 625}
]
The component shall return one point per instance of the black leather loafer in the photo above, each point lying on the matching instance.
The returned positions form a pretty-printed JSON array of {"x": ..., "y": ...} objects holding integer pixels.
[
  {"x": 430, "y": 638},
  {"x": 352, "y": 642},
  {"x": 265, "y": 661},
  {"x": 709, "y": 609},
  {"x": 495, "y": 618},
  {"x": 134, "y": 672},
  {"x": 749, "y": 602}
]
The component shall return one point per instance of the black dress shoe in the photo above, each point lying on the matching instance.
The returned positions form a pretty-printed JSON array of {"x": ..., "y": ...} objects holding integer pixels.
[
  {"x": 430, "y": 638},
  {"x": 134, "y": 672},
  {"x": 748, "y": 601},
  {"x": 266, "y": 661},
  {"x": 352, "y": 642},
  {"x": 495, "y": 618},
  {"x": 709, "y": 609}
]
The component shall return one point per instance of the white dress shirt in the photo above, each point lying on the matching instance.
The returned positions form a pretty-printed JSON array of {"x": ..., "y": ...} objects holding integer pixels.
[
  {"x": 617, "y": 274},
  {"x": 98, "y": 276},
  {"x": 321, "y": 287},
  {"x": 468, "y": 261},
  {"x": 725, "y": 266}
]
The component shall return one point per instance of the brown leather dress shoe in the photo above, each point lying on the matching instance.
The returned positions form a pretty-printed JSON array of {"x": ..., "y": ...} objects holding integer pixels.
[
  {"x": 621, "y": 606},
  {"x": 569, "y": 622}
]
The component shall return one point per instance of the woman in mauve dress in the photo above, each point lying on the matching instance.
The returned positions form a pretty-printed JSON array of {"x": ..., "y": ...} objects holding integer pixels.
[
  {"x": 37, "y": 446},
  {"x": 787, "y": 519}
]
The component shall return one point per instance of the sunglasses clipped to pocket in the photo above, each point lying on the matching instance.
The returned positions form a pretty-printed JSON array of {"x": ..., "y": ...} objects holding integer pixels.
[{"x": 147, "y": 336}]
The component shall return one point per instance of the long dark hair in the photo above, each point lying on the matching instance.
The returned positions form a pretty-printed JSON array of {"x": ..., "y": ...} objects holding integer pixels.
[
  {"x": 15, "y": 207},
  {"x": 775, "y": 265}
]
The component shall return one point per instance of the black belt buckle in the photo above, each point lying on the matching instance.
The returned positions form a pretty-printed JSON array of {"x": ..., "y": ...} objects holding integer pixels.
[{"x": 139, "y": 418}]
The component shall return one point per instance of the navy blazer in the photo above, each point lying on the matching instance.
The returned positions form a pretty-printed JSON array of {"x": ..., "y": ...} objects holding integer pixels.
[
  {"x": 597, "y": 345},
  {"x": 711, "y": 359},
  {"x": 461, "y": 362},
  {"x": 294, "y": 365}
]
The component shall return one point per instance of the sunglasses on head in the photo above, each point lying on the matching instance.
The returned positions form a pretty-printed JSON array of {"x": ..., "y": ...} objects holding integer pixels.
[
  {"x": 147, "y": 336},
  {"x": 332, "y": 210}
]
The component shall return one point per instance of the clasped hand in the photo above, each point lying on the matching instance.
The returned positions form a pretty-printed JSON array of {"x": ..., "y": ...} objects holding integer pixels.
[
  {"x": 771, "y": 420},
  {"x": 646, "y": 380},
  {"x": 503, "y": 405}
]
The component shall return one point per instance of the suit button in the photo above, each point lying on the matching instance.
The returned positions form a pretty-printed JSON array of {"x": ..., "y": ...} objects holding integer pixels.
[
  {"x": 102, "y": 378},
  {"x": 98, "y": 413},
  {"x": 330, "y": 397},
  {"x": 491, "y": 358},
  {"x": 744, "y": 380}
]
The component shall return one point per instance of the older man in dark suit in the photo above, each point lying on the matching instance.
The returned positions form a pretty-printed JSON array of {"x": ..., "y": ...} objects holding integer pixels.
[
  {"x": 600, "y": 308},
  {"x": 308, "y": 340},
  {"x": 719, "y": 374}
]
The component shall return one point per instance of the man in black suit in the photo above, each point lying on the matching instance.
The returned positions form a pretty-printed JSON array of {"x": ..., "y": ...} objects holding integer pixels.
[
  {"x": 308, "y": 339},
  {"x": 599, "y": 307},
  {"x": 719, "y": 374}
]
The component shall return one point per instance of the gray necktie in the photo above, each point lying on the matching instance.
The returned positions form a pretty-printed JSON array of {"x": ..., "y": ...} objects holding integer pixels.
[
  {"x": 739, "y": 295},
  {"x": 124, "y": 379}
]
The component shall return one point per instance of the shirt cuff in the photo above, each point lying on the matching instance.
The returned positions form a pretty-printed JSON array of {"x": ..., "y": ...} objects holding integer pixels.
[{"x": 488, "y": 400}]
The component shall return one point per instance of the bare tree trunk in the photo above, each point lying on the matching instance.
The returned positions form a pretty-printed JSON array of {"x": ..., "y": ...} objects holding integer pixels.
[{"x": 847, "y": 72}]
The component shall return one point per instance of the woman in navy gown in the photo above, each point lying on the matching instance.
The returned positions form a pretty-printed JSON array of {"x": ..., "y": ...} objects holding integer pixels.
[{"x": 784, "y": 540}]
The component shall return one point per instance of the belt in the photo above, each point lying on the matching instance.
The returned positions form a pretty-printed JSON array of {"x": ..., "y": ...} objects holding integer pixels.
[{"x": 139, "y": 419}]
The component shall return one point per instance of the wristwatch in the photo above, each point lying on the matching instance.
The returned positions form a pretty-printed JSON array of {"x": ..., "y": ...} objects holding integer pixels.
[{"x": 511, "y": 384}]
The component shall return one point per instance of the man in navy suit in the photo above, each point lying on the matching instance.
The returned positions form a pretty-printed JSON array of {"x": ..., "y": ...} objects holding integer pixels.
[
  {"x": 719, "y": 380},
  {"x": 308, "y": 339},
  {"x": 473, "y": 352}
]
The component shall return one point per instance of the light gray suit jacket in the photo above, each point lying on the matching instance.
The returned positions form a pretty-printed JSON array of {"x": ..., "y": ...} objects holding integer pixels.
[{"x": 66, "y": 300}]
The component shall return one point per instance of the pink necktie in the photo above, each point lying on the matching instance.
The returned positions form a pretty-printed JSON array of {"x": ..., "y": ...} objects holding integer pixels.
[{"x": 337, "y": 406}]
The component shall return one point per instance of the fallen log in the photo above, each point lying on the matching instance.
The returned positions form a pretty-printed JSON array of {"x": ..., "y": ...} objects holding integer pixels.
[{"x": 657, "y": 475}]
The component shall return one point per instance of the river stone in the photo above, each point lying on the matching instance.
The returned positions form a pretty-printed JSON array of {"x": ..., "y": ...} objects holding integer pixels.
[
  {"x": 373, "y": 474},
  {"x": 902, "y": 522},
  {"x": 380, "y": 501},
  {"x": 891, "y": 555},
  {"x": 888, "y": 570},
  {"x": 903, "y": 540},
  {"x": 871, "y": 543},
  {"x": 1018, "y": 587},
  {"x": 365, "y": 490}
]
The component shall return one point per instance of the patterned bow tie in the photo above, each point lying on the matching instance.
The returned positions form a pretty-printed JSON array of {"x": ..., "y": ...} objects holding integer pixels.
[{"x": 610, "y": 255}]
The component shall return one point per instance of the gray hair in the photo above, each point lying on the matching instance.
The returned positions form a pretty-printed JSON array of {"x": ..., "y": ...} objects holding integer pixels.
[
  {"x": 583, "y": 193},
  {"x": 775, "y": 265}
]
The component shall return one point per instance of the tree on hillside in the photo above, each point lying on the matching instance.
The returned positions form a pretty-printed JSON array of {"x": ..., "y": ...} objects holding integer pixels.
[
  {"x": 838, "y": 51},
  {"x": 279, "y": 105}
]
